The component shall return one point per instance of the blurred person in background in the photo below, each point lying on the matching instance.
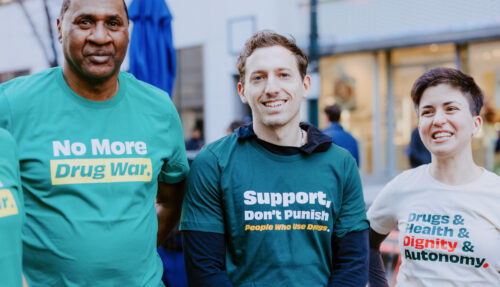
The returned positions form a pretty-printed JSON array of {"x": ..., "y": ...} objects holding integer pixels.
[
  {"x": 339, "y": 136},
  {"x": 275, "y": 203},
  {"x": 417, "y": 152},
  {"x": 96, "y": 147},
  {"x": 11, "y": 213},
  {"x": 195, "y": 142},
  {"x": 446, "y": 211}
]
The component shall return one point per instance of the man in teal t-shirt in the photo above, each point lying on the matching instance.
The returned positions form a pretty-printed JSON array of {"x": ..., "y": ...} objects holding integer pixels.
[
  {"x": 11, "y": 213},
  {"x": 96, "y": 148},
  {"x": 275, "y": 203}
]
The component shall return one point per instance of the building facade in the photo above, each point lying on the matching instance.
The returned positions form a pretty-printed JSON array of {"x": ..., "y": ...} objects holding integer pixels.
[{"x": 371, "y": 52}]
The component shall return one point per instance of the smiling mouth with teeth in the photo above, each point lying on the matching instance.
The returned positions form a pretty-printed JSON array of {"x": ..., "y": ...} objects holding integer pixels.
[
  {"x": 440, "y": 135},
  {"x": 274, "y": 104}
]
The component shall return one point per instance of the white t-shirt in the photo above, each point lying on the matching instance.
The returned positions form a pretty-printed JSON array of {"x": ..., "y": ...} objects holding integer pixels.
[{"x": 448, "y": 235}]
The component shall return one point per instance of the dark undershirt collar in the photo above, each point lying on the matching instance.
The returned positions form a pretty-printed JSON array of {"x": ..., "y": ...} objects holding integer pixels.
[{"x": 316, "y": 141}]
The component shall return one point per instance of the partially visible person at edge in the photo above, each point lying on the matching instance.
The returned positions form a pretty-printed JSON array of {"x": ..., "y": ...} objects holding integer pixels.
[
  {"x": 11, "y": 213},
  {"x": 339, "y": 136},
  {"x": 446, "y": 211},
  {"x": 96, "y": 147},
  {"x": 274, "y": 203},
  {"x": 417, "y": 152}
]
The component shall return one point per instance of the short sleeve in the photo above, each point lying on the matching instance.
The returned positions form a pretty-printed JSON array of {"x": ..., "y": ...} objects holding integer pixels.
[
  {"x": 382, "y": 213},
  {"x": 175, "y": 167},
  {"x": 352, "y": 215},
  {"x": 202, "y": 206}
]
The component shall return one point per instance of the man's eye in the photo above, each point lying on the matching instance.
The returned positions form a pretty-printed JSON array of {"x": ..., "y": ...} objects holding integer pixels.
[
  {"x": 284, "y": 75},
  {"x": 114, "y": 23},
  {"x": 451, "y": 109},
  {"x": 85, "y": 22},
  {"x": 257, "y": 78}
]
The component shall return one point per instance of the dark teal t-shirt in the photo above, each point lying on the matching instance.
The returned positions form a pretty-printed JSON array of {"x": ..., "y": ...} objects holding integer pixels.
[
  {"x": 278, "y": 213},
  {"x": 11, "y": 213},
  {"x": 90, "y": 173}
]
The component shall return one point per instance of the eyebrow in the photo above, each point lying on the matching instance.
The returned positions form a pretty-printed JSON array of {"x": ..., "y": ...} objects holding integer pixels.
[
  {"x": 115, "y": 17},
  {"x": 84, "y": 15},
  {"x": 453, "y": 102},
  {"x": 444, "y": 104},
  {"x": 91, "y": 16},
  {"x": 258, "y": 72},
  {"x": 274, "y": 70}
]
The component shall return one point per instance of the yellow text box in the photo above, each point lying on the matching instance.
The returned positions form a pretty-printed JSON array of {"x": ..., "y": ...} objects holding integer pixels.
[
  {"x": 8, "y": 205},
  {"x": 100, "y": 170}
]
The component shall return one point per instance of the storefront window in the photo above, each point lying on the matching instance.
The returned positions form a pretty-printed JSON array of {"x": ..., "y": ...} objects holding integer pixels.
[
  {"x": 484, "y": 66},
  {"x": 188, "y": 92},
  {"x": 348, "y": 81}
]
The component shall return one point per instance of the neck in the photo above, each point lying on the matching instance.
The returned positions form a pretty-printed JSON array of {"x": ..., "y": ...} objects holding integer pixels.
[
  {"x": 288, "y": 135},
  {"x": 455, "y": 170},
  {"x": 94, "y": 90}
]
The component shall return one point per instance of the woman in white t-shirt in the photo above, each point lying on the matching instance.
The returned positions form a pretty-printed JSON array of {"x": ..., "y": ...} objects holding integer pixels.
[{"x": 447, "y": 212}]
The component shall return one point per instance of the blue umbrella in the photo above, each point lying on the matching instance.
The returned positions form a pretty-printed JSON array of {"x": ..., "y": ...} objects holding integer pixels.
[{"x": 152, "y": 52}]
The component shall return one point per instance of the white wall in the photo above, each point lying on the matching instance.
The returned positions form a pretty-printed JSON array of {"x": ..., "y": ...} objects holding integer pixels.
[{"x": 20, "y": 49}]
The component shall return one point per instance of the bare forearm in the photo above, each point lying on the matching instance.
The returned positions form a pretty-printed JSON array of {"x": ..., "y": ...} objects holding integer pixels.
[{"x": 168, "y": 208}]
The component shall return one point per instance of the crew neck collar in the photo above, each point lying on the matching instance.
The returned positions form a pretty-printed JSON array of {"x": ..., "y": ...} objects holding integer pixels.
[{"x": 90, "y": 103}]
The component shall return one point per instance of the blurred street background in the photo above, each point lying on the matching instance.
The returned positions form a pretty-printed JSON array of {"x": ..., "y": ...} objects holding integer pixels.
[{"x": 364, "y": 54}]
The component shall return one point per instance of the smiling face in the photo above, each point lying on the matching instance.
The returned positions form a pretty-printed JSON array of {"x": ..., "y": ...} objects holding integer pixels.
[
  {"x": 94, "y": 37},
  {"x": 446, "y": 124},
  {"x": 273, "y": 87}
]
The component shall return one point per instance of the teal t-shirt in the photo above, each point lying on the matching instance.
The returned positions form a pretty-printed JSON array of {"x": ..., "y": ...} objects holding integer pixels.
[
  {"x": 11, "y": 213},
  {"x": 90, "y": 173},
  {"x": 278, "y": 213}
]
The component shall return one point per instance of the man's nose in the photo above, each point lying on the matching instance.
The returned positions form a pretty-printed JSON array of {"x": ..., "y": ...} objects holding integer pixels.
[
  {"x": 100, "y": 34},
  {"x": 272, "y": 86}
]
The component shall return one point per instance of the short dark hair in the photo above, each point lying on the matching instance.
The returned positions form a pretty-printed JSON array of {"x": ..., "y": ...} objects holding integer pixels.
[
  {"x": 454, "y": 78},
  {"x": 66, "y": 3},
  {"x": 333, "y": 112},
  {"x": 267, "y": 38}
]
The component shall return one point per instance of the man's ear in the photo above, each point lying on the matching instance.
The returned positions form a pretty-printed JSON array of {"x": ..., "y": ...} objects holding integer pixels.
[
  {"x": 241, "y": 92},
  {"x": 59, "y": 31},
  {"x": 307, "y": 86}
]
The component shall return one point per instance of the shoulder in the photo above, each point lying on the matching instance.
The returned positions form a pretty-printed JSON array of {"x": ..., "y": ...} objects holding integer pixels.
[
  {"x": 27, "y": 83},
  {"x": 340, "y": 154},
  {"x": 491, "y": 181},
  {"x": 218, "y": 150},
  {"x": 144, "y": 94},
  {"x": 135, "y": 85},
  {"x": 408, "y": 179}
]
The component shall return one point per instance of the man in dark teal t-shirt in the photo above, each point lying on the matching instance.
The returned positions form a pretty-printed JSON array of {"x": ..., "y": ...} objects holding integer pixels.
[
  {"x": 97, "y": 148},
  {"x": 275, "y": 203}
]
